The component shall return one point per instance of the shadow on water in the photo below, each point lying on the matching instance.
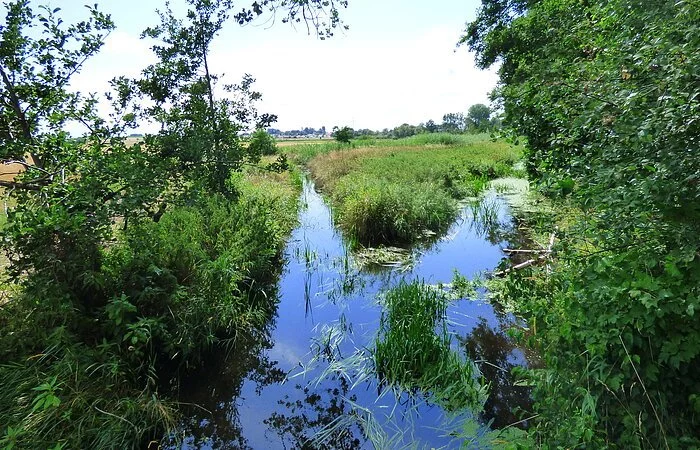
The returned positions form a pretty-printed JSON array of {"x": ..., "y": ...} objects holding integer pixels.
[
  {"x": 307, "y": 380},
  {"x": 496, "y": 355}
]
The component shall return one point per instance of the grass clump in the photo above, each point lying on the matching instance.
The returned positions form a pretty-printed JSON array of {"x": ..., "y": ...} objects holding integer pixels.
[
  {"x": 375, "y": 211},
  {"x": 412, "y": 349}
]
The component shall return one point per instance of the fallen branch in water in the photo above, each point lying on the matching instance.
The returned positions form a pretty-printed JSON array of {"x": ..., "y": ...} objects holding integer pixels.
[
  {"x": 530, "y": 262},
  {"x": 519, "y": 250}
]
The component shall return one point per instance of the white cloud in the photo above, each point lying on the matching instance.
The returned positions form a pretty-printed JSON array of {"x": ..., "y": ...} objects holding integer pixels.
[
  {"x": 360, "y": 83},
  {"x": 122, "y": 54},
  {"x": 351, "y": 79}
]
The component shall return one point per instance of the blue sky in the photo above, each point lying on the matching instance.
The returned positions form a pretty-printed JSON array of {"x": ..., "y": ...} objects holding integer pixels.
[{"x": 397, "y": 63}]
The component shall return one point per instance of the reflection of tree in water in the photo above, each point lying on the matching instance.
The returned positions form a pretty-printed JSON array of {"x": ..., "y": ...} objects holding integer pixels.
[
  {"x": 209, "y": 395},
  {"x": 318, "y": 410},
  {"x": 491, "y": 349}
]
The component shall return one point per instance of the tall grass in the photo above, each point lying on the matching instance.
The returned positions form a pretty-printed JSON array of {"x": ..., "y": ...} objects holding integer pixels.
[
  {"x": 412, "y": 349},
  {"x": 73, "y": 397},
  {"x": 375, "y": 211},
  {"x": 392, "y": 191}
]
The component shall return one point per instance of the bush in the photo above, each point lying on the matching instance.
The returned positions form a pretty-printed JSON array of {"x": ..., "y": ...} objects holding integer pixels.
[
  {"x": 164, "y": 294},
  {"x": 343, "y": 135},
  {"x": 262, "y": 143}
]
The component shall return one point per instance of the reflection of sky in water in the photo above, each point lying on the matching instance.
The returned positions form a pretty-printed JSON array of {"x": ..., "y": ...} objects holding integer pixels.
[{"x": 318, "y": 287}]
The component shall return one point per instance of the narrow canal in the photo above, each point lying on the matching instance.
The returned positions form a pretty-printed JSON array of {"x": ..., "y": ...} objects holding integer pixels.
[{"x": 308, "y": 381}]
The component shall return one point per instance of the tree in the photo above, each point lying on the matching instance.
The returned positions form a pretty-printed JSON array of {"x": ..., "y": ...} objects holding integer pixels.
[
  {"x": 343, "y": 135},
  {"x": 71, "y": 189},
  {"x": 607, "y": 97},
  {"x": 431, "y": 126},
  {"x": 478, "y": 117},
  {"x": 404, "y": 130},
  {"x": 262, "y": 143},
  {"x": 38, "y": 57},
  {"x": 453, "y": 123},
  {"x": 199, "y": 133}
]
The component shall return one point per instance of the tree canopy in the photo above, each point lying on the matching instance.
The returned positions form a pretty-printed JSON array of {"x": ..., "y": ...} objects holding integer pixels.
[
  {"x": 479, "y": 117},
  {"x": 607, "y": 96},
  {"x": 124, "y": 258}
]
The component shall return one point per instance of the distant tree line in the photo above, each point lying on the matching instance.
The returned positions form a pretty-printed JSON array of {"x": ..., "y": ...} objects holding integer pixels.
[
  {"x": 306, "y": 131},
  {"x": 479, "y": 119}
]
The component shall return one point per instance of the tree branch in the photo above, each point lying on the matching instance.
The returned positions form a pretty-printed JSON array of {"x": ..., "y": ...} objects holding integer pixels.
[
  {"x": 26, "y": 165},
  {"x": 24, "y": 186},
  {"x": 16, "y": 106}
]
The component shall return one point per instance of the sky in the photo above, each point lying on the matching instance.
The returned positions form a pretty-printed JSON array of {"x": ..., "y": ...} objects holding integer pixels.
[{"x": 398, "y": 62}]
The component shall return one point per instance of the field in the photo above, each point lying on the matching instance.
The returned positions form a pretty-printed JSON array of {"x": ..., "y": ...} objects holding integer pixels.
[
  {"x": 293, "y": 142},
  {"x": 398, "y": 191}
]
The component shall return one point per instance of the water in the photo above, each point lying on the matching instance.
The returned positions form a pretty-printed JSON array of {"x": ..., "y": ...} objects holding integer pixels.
[{"x": 282, "y": 388}]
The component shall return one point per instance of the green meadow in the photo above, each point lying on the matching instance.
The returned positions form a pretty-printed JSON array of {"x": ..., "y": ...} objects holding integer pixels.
[{"x": 387, "y": 192}]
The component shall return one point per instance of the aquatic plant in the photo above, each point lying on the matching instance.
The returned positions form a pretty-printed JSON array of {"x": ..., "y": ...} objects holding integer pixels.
[
  {"x": 412, "y": 349},
  {"x": 373, "y": 211}
]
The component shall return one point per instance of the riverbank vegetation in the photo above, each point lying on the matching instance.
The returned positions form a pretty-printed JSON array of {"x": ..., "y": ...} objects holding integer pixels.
[
  {"x": 607, "y": 97},
  {"x": 397, "y": 191},
  {"x": 129, "y": 261}
]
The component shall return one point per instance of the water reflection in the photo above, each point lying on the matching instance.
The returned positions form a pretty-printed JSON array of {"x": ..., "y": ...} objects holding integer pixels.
[
  {"x": 496, "y": 354},
  {"x": 309, "y": 382},
  {"x": 211, "y": 394},
  {"x": 320, "y": 419}
]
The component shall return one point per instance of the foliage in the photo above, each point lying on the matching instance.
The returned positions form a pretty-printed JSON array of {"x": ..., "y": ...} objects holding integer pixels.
[
  {"x": 343, "y": 135},
  {"x": 453, "y": 123},
  {"x": 38, "y": 56},
  {"x": 410, "y": 353},
  {"x": 478, "y": 117},
  {"x": 173, "y": 290},
  {"x": 199, "y": 133},
  {"x": 404, "y": 130},
  {"x": 262, "y": 143},
  {"x": 607, "y": 97}
]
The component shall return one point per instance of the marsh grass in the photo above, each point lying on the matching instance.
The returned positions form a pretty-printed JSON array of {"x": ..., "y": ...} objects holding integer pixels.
[
  {"x": 412, "y": 349},
  {"x": 375, "y": 211},
  {"x": 387, "y": 192}
]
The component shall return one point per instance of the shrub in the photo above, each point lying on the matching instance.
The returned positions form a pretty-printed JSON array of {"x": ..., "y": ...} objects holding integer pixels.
[
  {"x": 164, "y": 294},
  {"x": 262, "y": 143}
]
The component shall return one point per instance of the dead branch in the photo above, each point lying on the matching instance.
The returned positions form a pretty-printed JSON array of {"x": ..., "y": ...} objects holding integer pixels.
[
  {"x": 544, "y": 255},
  {"x": 520, "y": 250}
]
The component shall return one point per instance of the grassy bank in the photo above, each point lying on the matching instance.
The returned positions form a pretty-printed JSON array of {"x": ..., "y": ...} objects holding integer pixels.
[
  {"x": 164, "y": 294},
  {"x": 393, "y": 191}
]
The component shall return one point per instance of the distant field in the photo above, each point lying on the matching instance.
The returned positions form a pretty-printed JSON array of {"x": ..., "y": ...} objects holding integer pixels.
[
  {"x": 292, "y": 142},
  {"x": 391, "y": 191}
]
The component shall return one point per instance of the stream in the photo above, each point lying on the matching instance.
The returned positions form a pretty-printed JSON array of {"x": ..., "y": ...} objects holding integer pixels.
[{"x": 307, "y": 381}]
